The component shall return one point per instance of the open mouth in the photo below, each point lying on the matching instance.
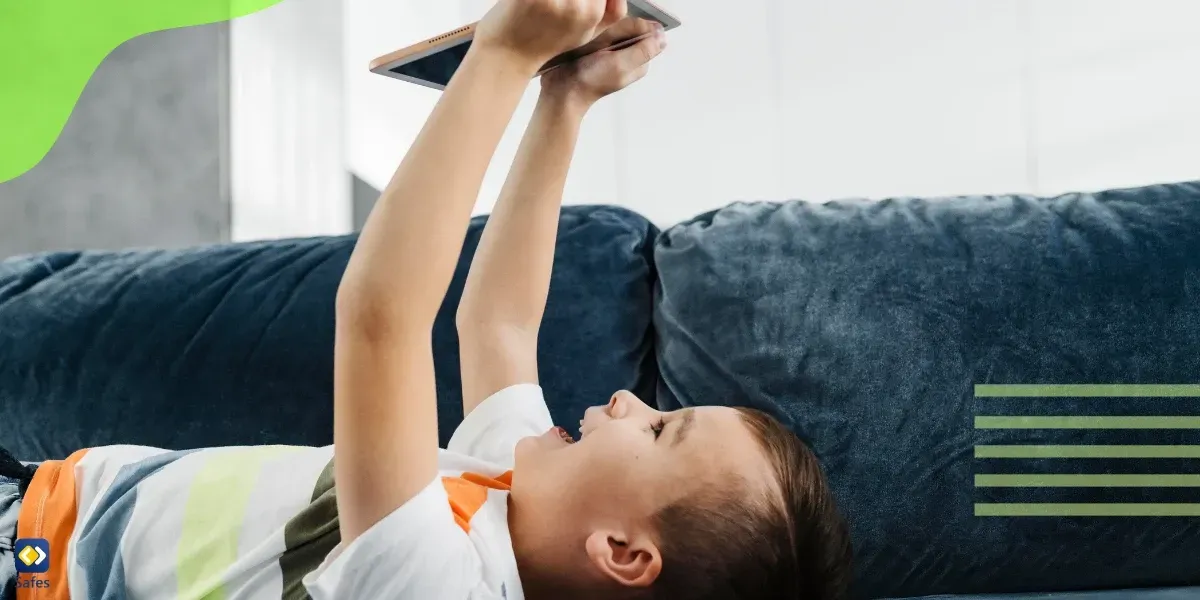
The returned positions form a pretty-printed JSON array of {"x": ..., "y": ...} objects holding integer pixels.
[{"x": 566, "y": 437}]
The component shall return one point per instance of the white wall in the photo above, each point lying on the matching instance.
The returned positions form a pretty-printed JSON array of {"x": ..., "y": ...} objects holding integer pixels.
[
  {"x": 1117, "y": 97},
  {"x": 287, "y": 132},
  {"x": 813, "y": 99}
]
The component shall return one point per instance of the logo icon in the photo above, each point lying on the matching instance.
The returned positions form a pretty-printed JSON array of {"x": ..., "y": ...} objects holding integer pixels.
[{"x": 32, "y": 555}]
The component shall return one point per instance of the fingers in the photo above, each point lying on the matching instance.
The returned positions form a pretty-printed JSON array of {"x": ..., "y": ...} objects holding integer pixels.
[
  {"x": 627, "y": 29},
  {"x": 635, "y": 60},
  {"x": 614, "y": 11},
  {"x": 642, "y": 52}
]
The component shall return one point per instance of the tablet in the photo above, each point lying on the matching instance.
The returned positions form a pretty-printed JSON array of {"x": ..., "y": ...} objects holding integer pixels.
[{"x": 432, "y": 62}]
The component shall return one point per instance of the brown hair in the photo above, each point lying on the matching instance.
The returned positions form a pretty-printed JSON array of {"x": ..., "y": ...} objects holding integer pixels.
[{"x": 791, "y": 545}]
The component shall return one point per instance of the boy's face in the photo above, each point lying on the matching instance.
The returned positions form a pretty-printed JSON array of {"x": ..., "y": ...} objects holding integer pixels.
[{"x": 632, "y": 461}]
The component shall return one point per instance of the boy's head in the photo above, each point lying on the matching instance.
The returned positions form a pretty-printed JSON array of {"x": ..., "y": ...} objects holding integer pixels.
[{"x": 701, "y": 503}]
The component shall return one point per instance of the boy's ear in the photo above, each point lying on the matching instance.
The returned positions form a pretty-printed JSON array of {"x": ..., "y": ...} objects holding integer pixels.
[{"x": 627, "y": 560}]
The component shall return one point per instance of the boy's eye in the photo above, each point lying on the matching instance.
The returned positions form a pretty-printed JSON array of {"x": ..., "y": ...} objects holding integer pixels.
[{"x": 657, "y": 427}]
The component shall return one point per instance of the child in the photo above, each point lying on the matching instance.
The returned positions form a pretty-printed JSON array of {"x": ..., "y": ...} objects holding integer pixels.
[{"x": 700, "y": 503}]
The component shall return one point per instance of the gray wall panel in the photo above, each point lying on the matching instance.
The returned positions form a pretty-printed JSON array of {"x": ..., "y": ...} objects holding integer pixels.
[
  {"x": 143, "y": 158},
  {"x": 363, "y": 196}
]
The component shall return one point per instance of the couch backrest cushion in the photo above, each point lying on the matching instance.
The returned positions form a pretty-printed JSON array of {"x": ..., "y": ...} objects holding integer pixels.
[
  {"x": 867, "y": 326},
  {"x": 233, "y": 344}
]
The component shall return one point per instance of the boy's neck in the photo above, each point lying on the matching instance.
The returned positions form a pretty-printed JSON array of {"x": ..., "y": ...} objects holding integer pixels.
[{"x": 532, "y": 540}]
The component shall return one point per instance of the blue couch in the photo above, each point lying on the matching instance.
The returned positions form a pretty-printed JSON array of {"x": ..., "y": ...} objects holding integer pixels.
[{"x": 884, "y": 333}]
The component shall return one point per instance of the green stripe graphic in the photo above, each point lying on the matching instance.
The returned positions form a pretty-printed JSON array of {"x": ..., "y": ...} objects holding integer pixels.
[
  {"x": 1086, "y": 480},
  {"x": 215, "y": 508},
  {"x": 1109, "y": 451},
  {"x": 1009, "y": 422},
  {"x": 1107, "y": 480},
  {"x": 1086, "y": 510},
  {"x": 1088, "y": 391}
]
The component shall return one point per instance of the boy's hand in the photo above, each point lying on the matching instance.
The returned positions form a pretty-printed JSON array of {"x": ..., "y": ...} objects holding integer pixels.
[
  {"x": 534, "y": 31},
  {"x": 601, "y": 73}
]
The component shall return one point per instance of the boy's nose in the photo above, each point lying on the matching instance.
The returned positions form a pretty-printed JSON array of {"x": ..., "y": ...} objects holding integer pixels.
[
  {"x": 613, "y": 402},
  {"x": 625, "y": 399}
]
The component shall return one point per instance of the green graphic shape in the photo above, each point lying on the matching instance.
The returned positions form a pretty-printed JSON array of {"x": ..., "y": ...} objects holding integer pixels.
[
  {"x": 1087, "y": 480},
  {"x": 1088, "y": 391},
  {"x": 1087, "y": 510},
  {"x": 50, "y": 48},
  {"x": 998, "y": 422},
  {"x": 1083, "y": 451}
]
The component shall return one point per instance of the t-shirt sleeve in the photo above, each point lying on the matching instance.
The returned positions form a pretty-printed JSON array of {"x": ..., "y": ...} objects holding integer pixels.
[
  {"x": 492, "y": 430},
  {"x": 416, "y": 552}
]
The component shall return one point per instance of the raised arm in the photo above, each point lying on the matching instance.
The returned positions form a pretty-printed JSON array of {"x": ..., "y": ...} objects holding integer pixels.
[
  {"x": 385, "y": 415},
  {"x": 505, "y": 294}
]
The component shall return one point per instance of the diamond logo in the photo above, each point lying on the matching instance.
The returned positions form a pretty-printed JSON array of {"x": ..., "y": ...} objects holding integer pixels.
[{"x": 33, "y": 555}]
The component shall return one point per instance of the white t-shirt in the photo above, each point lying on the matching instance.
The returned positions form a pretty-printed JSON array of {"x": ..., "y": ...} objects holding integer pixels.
[
  {"x": 260, "y": 523},
  {"x": 425, "y": 550}
]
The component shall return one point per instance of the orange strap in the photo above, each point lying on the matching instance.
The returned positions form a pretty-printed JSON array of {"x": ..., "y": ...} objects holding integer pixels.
[
  {"x": 48, "y": 511},
  {"x": 468, "y": 493}
]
